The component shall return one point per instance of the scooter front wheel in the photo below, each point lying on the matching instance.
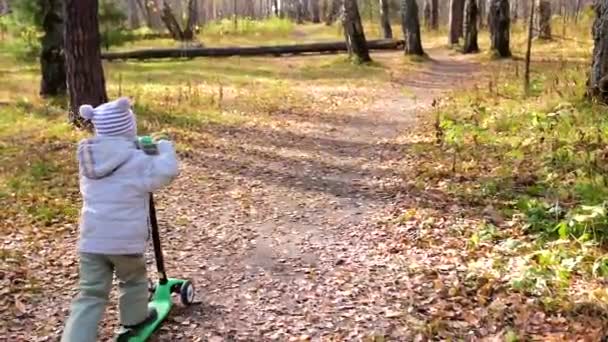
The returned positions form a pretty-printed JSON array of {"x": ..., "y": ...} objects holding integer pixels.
[{"x": 186, "y": 293}]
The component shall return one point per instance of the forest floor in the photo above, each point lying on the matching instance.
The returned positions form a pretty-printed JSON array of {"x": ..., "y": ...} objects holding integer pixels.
[{"x": 310, "y": 223}]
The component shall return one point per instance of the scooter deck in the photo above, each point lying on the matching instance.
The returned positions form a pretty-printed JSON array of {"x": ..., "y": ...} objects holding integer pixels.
[{"x": 162, "y": 302}]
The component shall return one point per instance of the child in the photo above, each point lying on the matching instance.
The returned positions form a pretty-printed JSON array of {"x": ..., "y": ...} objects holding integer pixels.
[{"x": 116, "y": 178}]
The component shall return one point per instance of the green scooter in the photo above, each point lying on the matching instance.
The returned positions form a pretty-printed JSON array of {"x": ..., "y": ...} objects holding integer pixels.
[{"x": 161, "y": 293}]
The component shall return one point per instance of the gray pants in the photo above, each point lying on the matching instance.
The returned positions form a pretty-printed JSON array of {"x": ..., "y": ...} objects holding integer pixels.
[{"x": 96, "y": 274}]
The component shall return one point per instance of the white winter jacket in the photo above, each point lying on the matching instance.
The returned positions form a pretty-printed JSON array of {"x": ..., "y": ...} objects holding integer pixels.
[{"x": 116, "y": 179}]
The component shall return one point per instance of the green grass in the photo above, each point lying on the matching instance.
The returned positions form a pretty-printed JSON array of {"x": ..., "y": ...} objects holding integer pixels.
[{"x": 540, "y": 160}]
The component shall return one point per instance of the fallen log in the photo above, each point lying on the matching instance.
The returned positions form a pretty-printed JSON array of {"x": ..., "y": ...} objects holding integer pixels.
[{"x": 278, "y": 50}]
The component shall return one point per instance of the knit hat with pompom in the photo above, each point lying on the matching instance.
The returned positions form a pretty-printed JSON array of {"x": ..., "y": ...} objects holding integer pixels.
[{"x": 111, "y": 119}]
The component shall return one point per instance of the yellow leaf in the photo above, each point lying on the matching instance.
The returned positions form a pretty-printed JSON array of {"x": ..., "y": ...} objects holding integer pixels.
[{"x": 20, "y": 306}]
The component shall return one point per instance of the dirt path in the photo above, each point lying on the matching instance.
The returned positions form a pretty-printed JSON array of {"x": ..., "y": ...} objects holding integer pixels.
[{"x": 274, "y": 225}]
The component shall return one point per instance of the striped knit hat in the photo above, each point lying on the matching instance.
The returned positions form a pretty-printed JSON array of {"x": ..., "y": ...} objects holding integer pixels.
[{"x": 111, "y": 119}]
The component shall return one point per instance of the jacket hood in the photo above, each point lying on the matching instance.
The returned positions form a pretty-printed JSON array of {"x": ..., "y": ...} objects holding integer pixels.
[{"x": 99, "y": 157}]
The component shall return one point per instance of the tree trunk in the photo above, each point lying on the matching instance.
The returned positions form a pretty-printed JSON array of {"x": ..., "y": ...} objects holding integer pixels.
[
  {"x": 3, "y": 7},
  {"x": 470, "y": 27},
  {"x": 306, "y": 10},
  {"x": 191, "y": 20},
  {"x": 316, "y": 11},
  {"x": 171, "y": 23},
  {"x": 426, "y": 13},
  {"x": 132, "y": 15},
  {"x": 353, "y": 32},
  {"x": 598, "y": 76},
  {"x": 411, "y": 28},
  {"x": 529, "y": 51},
  {"x": 525, "y": 9},
  {"x": 153, "y": 14},
  {"x": 543, "y": 19},
  {"x": 250, "y": 9},
  {"x": 481, "y": 13},
  {"x": 52, "y": 59},
  {"x": 434, "y": 14},
  {"x": 385, "y": 21},
  {"x": 299, "y": 11},
  {"x": 85, "y": 78},
  {"x": 334, "y": 11},
  {"x": 277, "y": 50},
  {"x": 514, "y": 10},
  {"x": 500, "y": 27},
  {"x": 456, "y": 21},
  {"x": 577, "y": 11},
  {"x": 275, "y": 7}
]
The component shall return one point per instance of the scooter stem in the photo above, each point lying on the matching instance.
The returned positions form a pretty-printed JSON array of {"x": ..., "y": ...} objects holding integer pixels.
[{"x": 158, "y": 252}]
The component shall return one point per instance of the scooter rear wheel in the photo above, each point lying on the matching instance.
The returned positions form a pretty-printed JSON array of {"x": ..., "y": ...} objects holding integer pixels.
[{"x": 186, "y": 293}]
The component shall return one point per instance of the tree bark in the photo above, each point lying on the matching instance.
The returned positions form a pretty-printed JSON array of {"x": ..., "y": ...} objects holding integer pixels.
[
  {"x": 411, "y": 28},
  {"x": 470, "y": 27},
  {"x": 52, "y": 59},
  {"x": 385, "y": 21},
  {"x": 456, "y": 21},
  {"x": 316, "y": 11},
  {"x": 85, "y": 78},
  {"x": 598, "y": 76},
  {"x": 500, "y": 27},
  {"x": 543, "y": 19},
  {"x": 353, "y": 32}
]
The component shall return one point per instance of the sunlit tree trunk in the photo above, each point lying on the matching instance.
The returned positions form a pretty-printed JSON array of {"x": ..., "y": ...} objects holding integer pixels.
[
  {"x": 411, "y": 28},
  {"x": 500, "y": 27},
  {"x": 470, "y": 27},
  {"x": 85, "y": 78},
  {"x": 353, "y": 32},
  {"x": 598, "y": 76},
  {"x": 385, "y": 21}
]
